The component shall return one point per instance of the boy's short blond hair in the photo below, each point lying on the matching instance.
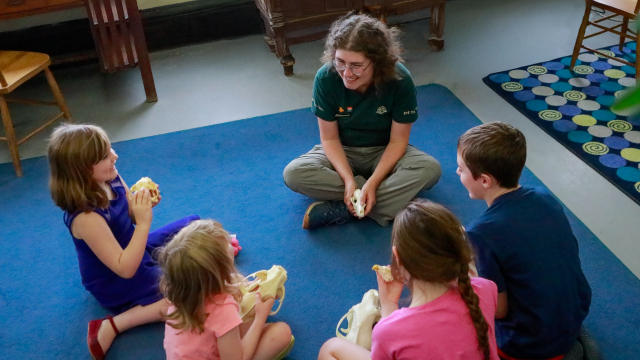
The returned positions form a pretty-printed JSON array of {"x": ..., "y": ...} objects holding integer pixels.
[{"x": 495, "y": 149}]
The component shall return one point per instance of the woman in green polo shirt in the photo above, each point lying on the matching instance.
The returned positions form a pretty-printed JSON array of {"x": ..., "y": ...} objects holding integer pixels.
[{"x": 365, "y": 102}]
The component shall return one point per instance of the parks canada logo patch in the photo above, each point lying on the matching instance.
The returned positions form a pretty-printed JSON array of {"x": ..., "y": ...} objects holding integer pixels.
[{"x": 382, "y": 110}]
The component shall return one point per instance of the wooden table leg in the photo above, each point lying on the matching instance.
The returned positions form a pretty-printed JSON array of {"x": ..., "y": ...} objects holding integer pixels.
[
  {"x": 436, "y": 28},
  {"x": 284, "y": 54},
  {"x": 11, "y": 136}
]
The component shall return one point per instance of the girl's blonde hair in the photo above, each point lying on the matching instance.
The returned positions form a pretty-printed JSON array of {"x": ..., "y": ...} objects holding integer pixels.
[
  {"x": 432, "y": 247},
  {"x": 195, "y": 266},
  {"x": 73, "y": 150}
]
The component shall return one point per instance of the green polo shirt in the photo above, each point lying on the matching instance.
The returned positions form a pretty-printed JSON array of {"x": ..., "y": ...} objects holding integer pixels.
[{"x": 364, "y": 120}]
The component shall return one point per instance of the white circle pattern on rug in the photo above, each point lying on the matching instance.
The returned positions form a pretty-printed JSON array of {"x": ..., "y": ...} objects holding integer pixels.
[
  {"x": 555, "y": 100},
  {"x": 587, "y": 57},
  {"x": 512, "y": 86},
  {"x": 548, "y": 78},
  {"x": 584, "y": 69},
  {"x": 600, "y": 131},
  {"x": 542, "y": 91},
  {"x": 588, "y": 105},
  {"x": 574, "y": 95},
  {"x": 579, "y": 82},
  {"x": 628, "y": 82},
  {"x": 519, "y": 74},
  {"x": 615, "y": 62},
  {"x": 537, "y": 70},
  {"x": 633, "y": 136},
  {"x": 550, "y": 115},
  {"x": 621, "y": 93},
  {"x": 595, "y": 148},
  {"x": 608, "y": 52},
  {"x": 620, "y": 126}
]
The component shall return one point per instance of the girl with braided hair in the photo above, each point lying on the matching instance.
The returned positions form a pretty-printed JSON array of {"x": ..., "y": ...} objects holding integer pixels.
[{"x": 450, "y": 316}]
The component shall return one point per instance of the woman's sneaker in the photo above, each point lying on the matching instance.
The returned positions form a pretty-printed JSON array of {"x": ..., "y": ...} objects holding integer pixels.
[{"x": 325, "y": 213}]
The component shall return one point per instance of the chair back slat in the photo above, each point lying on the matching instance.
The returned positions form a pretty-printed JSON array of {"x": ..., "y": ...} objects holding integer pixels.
[
  {"x": 113, "y": 33},
  {"x": 99, "y": 30},
  {"x": 637, "y": 9},
  {"x": 110, "y": 14},
  {"x": 137, "y": 33},
  {"x": 127, "y": 48}
]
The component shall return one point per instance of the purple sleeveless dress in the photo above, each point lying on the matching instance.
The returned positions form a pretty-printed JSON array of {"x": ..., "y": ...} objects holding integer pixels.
[{"x": 112, "y": 291}]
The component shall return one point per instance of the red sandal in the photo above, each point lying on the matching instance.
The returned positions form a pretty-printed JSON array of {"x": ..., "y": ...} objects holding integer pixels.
[{"x": 92, "y": 337}]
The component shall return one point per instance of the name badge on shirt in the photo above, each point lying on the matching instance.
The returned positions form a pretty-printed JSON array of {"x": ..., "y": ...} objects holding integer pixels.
[{"x": 342, "y": 113}]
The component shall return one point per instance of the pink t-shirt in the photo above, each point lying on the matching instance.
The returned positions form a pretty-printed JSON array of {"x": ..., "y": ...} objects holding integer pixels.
[
  {"x": 438, "y": 330},
  {"x": 223, "y": 316}
]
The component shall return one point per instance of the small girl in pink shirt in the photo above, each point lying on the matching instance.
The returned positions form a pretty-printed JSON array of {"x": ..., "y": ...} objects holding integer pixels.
[
  {"x": 203, "y": 321},
  {"x": 450, "y": 316}
]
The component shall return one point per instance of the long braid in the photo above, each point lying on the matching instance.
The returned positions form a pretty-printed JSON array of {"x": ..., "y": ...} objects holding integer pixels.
[{"x": 473, "y": 304}]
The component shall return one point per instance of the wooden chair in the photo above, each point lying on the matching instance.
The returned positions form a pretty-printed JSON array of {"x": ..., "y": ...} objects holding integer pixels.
[
  {"x": 117, "y": 32},
  {"x": 16, "y": 67},
  {"x": 628, "y": 9}
]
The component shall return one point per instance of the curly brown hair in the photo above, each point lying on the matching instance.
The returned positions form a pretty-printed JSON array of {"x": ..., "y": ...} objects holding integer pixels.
[
  {"x": 432, "y": 247},
  {"x": 364, "y": 34}
]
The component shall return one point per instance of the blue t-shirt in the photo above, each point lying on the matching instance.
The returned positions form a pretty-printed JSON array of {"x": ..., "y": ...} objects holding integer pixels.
[{"x": 524, "y": 244}]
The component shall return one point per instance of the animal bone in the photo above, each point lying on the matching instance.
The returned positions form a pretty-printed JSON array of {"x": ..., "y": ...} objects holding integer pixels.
[
  {"x": 384, "y": 271},
  {"x": 357, "y": 204},
  {"x": 148, "y": 184}
]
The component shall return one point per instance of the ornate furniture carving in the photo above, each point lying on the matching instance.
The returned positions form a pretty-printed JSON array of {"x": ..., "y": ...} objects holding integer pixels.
[{"x": 290, "y": 22}]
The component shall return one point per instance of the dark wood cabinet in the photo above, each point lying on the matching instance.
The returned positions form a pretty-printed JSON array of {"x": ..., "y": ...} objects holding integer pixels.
[
  {"x": 290, "y": 22},
  {"x": 11, "y": 9}
]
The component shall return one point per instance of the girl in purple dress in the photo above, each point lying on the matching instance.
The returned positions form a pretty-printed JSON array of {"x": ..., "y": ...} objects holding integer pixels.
[{"x": 114, "y": 255}]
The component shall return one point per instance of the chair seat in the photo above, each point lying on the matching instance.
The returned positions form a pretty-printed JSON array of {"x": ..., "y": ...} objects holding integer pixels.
[
  {"x": 20, "y": 66},
  {"x": 622, "y": 7}
]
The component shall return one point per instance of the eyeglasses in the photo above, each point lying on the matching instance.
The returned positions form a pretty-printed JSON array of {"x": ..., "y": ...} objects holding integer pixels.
[{"x": 357, "y": 70}]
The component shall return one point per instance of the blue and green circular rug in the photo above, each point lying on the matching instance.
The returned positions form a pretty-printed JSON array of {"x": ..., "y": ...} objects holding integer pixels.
[{"x": 574, "y": 107}]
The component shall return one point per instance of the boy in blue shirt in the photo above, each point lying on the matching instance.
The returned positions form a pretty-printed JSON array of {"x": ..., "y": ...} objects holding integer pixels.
[{"x": 524, "y": 244}]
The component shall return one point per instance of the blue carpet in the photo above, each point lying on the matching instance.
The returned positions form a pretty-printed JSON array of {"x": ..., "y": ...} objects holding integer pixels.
[
  {"x": 232, "y": 172},
  {"x": 575, "y": 109}
]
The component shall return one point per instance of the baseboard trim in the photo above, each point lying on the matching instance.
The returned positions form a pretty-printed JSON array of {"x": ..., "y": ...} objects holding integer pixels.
[{"x": 165, "y": 27}]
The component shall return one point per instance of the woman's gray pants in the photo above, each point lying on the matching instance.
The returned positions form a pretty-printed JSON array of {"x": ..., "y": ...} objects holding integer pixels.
[{"x": 313, "y": 175}]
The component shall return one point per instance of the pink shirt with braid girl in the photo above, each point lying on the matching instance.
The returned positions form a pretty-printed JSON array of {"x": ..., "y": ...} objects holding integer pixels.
[
  {"x": 223, "y": 316},
  {"x": 438, "y": 330}
]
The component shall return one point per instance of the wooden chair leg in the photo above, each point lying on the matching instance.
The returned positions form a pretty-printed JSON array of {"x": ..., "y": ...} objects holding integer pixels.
[
  {"x": 436, "y": 28},
  {"x": 625, "y": 26},
  {"x": 147, "y": 79},
  {"x": 55, "y": 89},
  {"x": 583, "y": 29},
  {"x": 11, "y": 136},
  {"x": 140, "y": 43}
]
